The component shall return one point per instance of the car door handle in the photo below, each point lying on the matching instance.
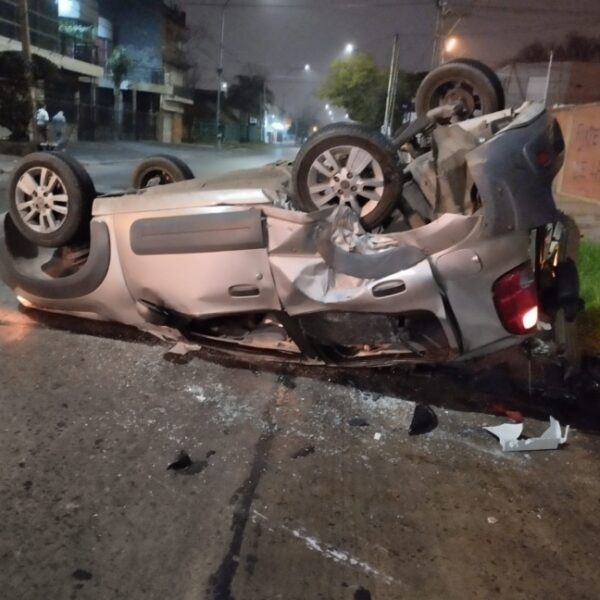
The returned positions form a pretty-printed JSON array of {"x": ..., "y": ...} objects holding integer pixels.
[
  {"x": 243, "y": 291},
  {"x": 388, "y": 288}
]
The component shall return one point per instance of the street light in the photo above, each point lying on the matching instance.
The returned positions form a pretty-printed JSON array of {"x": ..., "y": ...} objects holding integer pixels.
[
  {"x": 327, "y": 107},
  {"x": 349, "y": 48},
  {"x": 451, "y": 44},
  {"x": 307, "y": 67}
]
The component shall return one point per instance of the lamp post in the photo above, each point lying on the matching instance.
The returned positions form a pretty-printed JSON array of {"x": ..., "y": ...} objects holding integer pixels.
[
  {"x": 450, "y": 46},
  {"x": 306, "y": 68},
  {"x": 220, "y": 74}
]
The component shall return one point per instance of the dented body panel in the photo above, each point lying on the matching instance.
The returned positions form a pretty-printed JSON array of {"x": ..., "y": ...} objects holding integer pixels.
[{"x": 227, "y": 262}]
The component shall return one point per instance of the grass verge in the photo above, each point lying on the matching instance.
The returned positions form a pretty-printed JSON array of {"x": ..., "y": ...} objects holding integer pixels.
[{"x": 588, "y": 322}]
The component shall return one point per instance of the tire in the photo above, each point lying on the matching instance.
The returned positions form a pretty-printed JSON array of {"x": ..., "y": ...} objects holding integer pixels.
[
  {"x": 160, "y": 169},
  {"x": 454, "y": 82},
  {"x": 82, "y": 174},
  {"x": 490, "y": 74},
  {"x": 49, "y": 202},
  {"x": 373, "y": 203}
]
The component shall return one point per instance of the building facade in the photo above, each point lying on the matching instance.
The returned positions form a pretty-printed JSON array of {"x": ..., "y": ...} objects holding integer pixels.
[
  {"x": 154, "y": 90},
  {"x": 78, "y": 36}
]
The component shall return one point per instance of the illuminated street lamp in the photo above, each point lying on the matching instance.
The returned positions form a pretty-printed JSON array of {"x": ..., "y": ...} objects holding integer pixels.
[
  {"x": 307, "y": 67},
  {"x": 349, "y": 49},
  {"x": 327, "y": 107},
  {"x": 451, "y": 44}
]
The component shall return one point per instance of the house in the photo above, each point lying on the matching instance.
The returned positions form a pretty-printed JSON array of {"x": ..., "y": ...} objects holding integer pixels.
[
  {"x": 78, "y": 68},
  {"x": 154, "y": 91},
  {"x": 569, "y": 83}
]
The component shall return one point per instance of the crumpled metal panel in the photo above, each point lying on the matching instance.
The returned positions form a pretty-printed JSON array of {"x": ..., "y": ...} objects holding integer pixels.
[
  {"x": 516, "y": 194},
  {"x": 450, "y": 147}
]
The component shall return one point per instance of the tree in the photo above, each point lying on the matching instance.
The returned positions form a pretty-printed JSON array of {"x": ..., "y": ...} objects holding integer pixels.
[
  {"x": 574, "y": 47},
  {"x": 15, "y": 103},
  {"x": 359, "y": 85},
  {"x": 118, "y": 63}
]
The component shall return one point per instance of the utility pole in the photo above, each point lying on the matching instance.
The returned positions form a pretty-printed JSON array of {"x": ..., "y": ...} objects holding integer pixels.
[
  {"x": 26, "y": 52},
  {"x": 442, "y": 7},
  {"x": 220, "y": 74},
  {"x": 392, "y": 88}
]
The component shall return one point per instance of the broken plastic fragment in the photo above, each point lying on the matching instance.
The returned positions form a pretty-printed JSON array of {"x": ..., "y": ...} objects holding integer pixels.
[
  {"x": 377, "y": 436},
  {"x": 424, "y": 420},
  {"x": 508, "y": 436},
  {"x": 182, "y": 348}
]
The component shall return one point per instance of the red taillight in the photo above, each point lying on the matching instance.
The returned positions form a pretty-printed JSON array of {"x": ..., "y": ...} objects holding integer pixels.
[{"x": 515, "y": 296}]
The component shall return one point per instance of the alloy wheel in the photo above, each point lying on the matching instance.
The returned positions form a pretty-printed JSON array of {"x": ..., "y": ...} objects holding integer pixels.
[
  {"x": 346, "y": 175},
  {"x": 41, "y": 200}
]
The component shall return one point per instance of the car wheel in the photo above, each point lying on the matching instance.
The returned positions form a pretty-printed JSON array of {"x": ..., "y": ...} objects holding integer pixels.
[
  {"x": 490, "y": 74},
  {"x": 348, "y": 164},
  {"x": 82, "y": 174},
  {"x": 455, "y": 82},
  {"x": 161, "y": 169},
  {"x": 49, "y": 203}
]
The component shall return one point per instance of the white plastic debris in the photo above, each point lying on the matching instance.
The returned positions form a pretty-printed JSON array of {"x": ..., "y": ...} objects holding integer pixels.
[
  {"x": 508, "y": 436},
  {"x": 492, "y": 520},
  {"x": 377, "y": 437},
  {"x": 182, "y": 348}
]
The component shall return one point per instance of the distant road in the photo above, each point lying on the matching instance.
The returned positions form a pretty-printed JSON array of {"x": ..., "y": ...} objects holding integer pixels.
[{"x": 111, "y": 164}]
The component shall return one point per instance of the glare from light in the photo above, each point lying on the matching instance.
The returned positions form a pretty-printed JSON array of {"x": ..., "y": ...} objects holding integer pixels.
[
  {"x": 451, "y": 44},
  {"x": 347, "y": 116},
  {"x": 349, "y": 48},
  {"x": 327, "y": 107},
  {"x": 24, "y": 302},
  {"x": 307, "y": 67},
  {"x": 330, "y": 113},
  {"x": 530, "y": 318},
  {"x": 224, "y": 86},
  {"x": 278, "y": 126},
  {"x": 315, "y": 129}
]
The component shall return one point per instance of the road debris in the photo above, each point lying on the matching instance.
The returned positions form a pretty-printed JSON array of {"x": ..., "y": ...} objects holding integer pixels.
[
  {"x": 183, "y": 462},
  {"x": 424, "y": 420},
  {"x": 304, "y": 452},
  {"x": 508, "y": 435},
  {"x": 499, "y": 408},
  {"x": 492, "y": 520},
  {"x": 377, "y": 436},
  {"x": 186, "y": 466}
]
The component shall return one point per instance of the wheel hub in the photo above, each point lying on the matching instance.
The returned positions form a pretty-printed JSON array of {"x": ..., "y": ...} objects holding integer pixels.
[
  {"x": 41, "y": 200},
  {"x": 346, "y": 175}
]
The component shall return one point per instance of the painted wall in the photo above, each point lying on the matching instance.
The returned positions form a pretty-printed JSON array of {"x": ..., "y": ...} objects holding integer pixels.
[{"x": 580, "y": 175}]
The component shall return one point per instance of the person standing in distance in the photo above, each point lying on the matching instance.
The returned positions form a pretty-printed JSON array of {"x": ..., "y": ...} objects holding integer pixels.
[{"x": 41, "y": 120}]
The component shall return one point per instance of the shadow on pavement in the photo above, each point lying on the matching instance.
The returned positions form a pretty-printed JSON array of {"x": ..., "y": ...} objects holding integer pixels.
[{"x": 477, "y": 386}]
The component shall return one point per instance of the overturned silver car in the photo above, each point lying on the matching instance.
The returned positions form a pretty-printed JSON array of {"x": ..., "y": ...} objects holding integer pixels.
[{"x": 467, "y": 258}]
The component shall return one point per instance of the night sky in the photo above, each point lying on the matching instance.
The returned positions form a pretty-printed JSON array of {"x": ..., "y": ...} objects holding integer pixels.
[{"x": 278, "y": 36}]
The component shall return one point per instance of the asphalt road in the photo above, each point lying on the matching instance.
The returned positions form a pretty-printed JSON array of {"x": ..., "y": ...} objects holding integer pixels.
[{"x": 291, "y": 495}]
